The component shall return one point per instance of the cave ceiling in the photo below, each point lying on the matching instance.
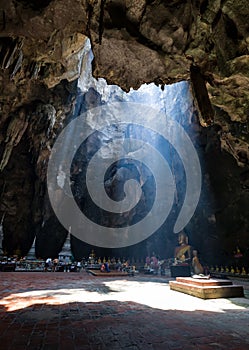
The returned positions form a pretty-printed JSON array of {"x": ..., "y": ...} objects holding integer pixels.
[{"x": 133, "y": 42}]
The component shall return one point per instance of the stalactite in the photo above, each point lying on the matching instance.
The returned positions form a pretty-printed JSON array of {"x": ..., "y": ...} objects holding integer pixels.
[
  {"x": 36, "y": 70},
  {"x": 18, "y": 65},
  {"x": 201, "y": 96},
  {"x": 32, "y": 69},
  {"x": 9, "y": 50},
  {"x": 15, "y": 131}
]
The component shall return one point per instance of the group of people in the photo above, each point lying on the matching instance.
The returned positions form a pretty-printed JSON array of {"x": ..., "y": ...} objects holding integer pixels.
[
  {"x": 115, "y": 265},
  {"x": 65, "y": 264},
  {"x": 152, "y": 263}
]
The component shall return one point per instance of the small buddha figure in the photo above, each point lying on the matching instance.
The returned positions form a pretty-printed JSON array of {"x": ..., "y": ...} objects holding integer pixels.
[
  {"x": 243, "y": 271},
  {"x": 237, "y": 253},
  {"x": 183, "y": 251},
  {"x": 232, "y": 269},
  {"x": 92, "y": 257}
]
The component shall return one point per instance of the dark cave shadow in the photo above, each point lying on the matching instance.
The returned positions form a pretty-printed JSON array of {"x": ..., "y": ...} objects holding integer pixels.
[{"x": 105, "y": 324}]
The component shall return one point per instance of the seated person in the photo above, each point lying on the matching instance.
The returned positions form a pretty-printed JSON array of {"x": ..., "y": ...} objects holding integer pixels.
[
  {"x": 154, "y": 263},
  {"x": 147, "y": 261},
  {"x": 105, "y": 267},
  {"x": 118, "y": 265},
  {"x": 183, "y": 251}
]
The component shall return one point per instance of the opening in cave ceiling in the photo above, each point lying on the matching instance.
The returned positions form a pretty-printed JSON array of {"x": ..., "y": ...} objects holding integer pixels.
[{"x": 126, "y": 166}]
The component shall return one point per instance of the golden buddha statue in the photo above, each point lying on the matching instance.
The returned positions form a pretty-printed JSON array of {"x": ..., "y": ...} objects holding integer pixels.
[
  {"x": 183, "y": 251},
  {"x": 243, "y": 271}
]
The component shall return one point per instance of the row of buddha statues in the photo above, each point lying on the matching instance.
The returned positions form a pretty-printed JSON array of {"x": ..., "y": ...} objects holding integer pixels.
[
  {"x": 185, "y": 255},
  {"x": 229, "y": 270}
]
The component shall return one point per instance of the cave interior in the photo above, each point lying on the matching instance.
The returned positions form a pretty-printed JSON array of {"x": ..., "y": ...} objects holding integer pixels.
[{"x": 57, "y": 64}]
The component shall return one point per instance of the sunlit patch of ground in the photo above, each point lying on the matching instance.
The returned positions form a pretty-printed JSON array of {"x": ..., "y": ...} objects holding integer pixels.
[{"x": 155, "y": 295}]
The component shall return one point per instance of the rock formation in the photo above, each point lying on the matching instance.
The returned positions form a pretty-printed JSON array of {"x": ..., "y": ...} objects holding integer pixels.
[{"x": 42, "y": 54}]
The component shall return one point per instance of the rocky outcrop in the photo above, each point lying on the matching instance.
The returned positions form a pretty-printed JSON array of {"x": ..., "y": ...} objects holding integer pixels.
[
  {"x": 205, "y": 42},
  {"x": 42, "y": 51},
  {"x": 134, "y": 42}
]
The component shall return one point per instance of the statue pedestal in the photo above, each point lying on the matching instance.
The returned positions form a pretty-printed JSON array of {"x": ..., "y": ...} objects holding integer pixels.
[
  {"x": 207, "y": 288},
  {"x": 180, "y": 271}
]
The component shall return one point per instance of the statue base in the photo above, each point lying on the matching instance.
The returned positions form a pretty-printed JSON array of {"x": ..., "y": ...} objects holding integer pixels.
[
  {"x": 180, "y": 270},
  {"x": 207, "y": 289}
]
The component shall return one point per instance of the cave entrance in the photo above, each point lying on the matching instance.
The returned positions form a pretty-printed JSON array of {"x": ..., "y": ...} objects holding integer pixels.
[{"x": 132, "y": 166}]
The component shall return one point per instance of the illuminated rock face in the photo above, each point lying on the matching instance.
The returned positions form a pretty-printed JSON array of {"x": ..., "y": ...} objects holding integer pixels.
[{"x": 134, "y": 42}]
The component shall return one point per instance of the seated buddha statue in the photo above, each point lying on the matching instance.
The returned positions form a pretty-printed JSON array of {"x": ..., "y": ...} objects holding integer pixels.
[
  {"x": 196, "y": 265},
  {"x": 183, "y": 251}
]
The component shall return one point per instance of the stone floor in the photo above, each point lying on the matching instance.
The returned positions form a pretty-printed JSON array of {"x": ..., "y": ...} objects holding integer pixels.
[{"x": 76, "y": 311}]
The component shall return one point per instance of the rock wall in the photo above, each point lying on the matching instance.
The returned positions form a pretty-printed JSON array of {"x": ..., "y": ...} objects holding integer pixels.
[{"x": 42, "y": 50}]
